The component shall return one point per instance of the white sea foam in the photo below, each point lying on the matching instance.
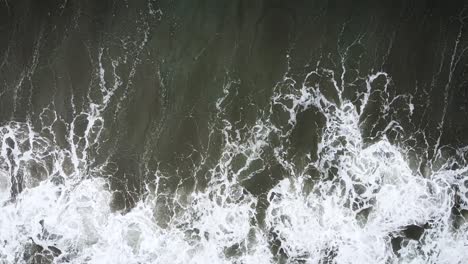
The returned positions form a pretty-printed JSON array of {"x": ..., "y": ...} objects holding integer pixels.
[
  {"x": 372, "y": 196},
  {"x": 364, "y": 196}
]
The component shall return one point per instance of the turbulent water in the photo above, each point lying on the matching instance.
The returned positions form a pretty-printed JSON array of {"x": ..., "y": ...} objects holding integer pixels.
[{"x": 169, "y": 131}]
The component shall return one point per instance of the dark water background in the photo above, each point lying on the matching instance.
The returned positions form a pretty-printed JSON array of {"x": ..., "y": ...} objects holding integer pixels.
[{"x": 167, "y": 63}]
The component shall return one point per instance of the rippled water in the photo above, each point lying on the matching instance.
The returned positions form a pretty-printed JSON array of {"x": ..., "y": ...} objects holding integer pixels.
[{"x": 233, "y": 132}]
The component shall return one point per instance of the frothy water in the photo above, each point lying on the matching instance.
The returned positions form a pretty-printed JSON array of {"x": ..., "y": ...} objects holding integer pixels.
[
  {"x": 361, "y": 192},
  {"x": 351, "y": 215}
]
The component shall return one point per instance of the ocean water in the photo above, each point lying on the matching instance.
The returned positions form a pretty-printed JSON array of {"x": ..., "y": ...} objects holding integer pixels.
[{"x": 233, "y": 131}]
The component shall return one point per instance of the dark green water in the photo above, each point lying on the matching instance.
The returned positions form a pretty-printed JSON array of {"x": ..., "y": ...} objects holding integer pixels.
[{"x": 203, "y": 113}]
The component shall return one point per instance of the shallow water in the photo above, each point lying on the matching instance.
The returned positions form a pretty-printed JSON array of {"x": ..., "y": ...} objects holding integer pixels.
[{"x": 233, "y": 132}]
